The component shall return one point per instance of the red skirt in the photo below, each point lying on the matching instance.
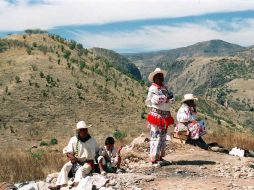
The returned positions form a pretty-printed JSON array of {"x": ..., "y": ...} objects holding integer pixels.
[{"x": 160, "y": 120}]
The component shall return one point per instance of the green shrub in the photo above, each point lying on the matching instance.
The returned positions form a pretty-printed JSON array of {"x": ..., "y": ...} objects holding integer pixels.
[
  {"x": 67, "y": 54},
  {"x": 72, "y": 44},
  {"x": 37, "y": 155},
  {"x": 82, "y": 65},
  {"x": 43, "y": 143},
  {"x": 34, "y": 67},
  {"x": 17, "y": 79},
  {"x": 42, "y": 74},
  {"x": 79, "y": 94},
  {"x": 29, "y": 51},
  {"x": 53, "y": 141},
  {"x": 43, "y": 49},
  {"x": 30, "y": 82},
  {"x": 119, "y": 135}
]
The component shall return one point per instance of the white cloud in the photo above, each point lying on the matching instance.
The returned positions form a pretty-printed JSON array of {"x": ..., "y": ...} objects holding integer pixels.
[
  {"x": 66, "y": 12},
  {"x": 168, "y": 37}
]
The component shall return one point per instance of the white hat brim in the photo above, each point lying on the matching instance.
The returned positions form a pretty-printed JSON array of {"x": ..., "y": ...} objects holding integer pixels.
[
  {"x": 85, "y": 127},
  {"x": 194, "y": 98},
  {"x": 152, "y": 74}
]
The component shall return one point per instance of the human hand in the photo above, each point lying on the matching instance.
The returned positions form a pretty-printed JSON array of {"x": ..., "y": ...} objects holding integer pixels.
[{"x": 71, "y": 158}]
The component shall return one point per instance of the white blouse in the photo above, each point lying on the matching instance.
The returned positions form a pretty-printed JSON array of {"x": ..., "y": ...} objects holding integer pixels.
[
  {"x": 156, "y": 99},
  {"x": 185, "y": 114}
]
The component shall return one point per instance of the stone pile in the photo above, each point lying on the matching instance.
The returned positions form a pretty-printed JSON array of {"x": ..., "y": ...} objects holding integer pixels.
[{"x": 235, "y": 171}]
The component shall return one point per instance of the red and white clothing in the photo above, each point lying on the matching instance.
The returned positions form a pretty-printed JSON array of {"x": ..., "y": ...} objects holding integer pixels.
[
  {"x": 187, "y": 121},
  {"x": 158, "y": 119}
]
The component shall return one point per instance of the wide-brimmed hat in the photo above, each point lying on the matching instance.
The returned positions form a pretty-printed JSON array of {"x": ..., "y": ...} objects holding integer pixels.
[
  {"x": 82, "y": 125},
  {"x": 187, "y": 97},
  {"x": 155, "y": 72}
]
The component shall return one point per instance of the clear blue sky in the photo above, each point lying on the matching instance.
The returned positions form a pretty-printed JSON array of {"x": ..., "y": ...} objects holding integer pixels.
[{"x": 133, "y": 25}]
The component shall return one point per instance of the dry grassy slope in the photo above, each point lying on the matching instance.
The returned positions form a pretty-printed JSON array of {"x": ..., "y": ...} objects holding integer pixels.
[
  {"x": 32, "y": 111},
  {"x": 244, "y": 87}
]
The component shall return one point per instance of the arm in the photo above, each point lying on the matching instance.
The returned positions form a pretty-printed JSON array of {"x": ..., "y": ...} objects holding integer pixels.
[{"x": 69, "y": 151}]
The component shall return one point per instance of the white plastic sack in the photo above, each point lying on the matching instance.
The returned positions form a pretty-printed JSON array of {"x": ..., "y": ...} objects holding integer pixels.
[{"x": 237, "y": 152}]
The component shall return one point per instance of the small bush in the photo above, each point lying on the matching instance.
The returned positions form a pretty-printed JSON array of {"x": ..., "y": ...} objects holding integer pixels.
[
  {"x": 17, "y": 79},
  {"x": 42, "y": 74},
  {"x": 53, "y": 141},
  {"x": 29, "y": 51},
  {"x": 34, "y": 67},
  {"x": 82, "y": 65},
  {"x": 67, "y": 54},
  {"x": 119, "y": 135},
  {"x": 43, "y": 143},
  {"x": 34, "y": 44}
]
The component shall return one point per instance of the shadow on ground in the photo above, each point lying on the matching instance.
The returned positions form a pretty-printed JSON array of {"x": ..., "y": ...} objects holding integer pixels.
[{"x": 193, "y": 162}]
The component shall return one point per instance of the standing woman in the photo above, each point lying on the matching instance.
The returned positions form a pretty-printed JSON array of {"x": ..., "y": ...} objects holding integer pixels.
[{"x": 158, "y": 100}]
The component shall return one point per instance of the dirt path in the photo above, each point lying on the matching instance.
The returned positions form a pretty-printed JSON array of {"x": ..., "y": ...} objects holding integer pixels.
[{"x": 198, "y": 169}]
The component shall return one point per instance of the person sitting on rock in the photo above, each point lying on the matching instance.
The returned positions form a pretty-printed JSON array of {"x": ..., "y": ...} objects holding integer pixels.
[
  {"x": 81, "y": 151},
  {"x": 159, "y": 118},
  {"x": 187, "y": 122},
  {"x": 109, "y": 159}
]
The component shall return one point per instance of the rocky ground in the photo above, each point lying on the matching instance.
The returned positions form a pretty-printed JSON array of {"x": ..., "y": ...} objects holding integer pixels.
[{"x": 190, "y": 168}]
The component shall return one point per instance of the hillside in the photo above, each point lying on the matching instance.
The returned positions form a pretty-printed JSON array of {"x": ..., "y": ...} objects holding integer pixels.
[
  {"x": 119, "y": 62},
  {"x": 49, "y": 83}
]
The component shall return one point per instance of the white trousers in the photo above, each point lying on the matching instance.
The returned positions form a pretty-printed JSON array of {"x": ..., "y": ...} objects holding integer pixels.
[{"x": 62, "y": 178}]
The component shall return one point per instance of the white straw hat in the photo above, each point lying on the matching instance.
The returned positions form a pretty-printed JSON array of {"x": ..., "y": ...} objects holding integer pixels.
[
  {"x": 189, "y": 97},
  {"x": 82, "y": 125},
  {"x": 155, "y": 72}
]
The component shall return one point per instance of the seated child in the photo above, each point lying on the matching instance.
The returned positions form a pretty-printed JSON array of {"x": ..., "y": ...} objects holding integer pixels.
[{"x": 109, "y": 158}]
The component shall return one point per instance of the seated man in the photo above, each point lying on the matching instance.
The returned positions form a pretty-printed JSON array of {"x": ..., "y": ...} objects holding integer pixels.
[
  {"x": 109, "y": 158},
  {"x": 186, "y": 117},
  {"x": 80, "y": 151}
]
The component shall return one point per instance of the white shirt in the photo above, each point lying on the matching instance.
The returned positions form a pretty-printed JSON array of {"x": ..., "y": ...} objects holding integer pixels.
[
  {"x": 82, "y": 150},
  {"x": 111, "y": 154}
]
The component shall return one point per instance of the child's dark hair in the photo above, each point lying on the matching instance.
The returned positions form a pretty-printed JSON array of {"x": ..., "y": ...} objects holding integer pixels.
[{"x": 109, "y": 141}]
